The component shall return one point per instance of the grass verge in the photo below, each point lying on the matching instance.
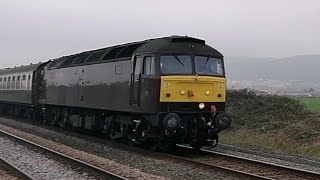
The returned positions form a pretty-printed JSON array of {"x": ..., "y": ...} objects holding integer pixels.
[
  {"x": 271, "y": 122},
  {"x": 311, "y": 103}
]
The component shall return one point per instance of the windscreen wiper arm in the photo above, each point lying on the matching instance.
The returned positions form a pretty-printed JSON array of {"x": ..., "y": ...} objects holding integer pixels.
[
  {"x": 176, "y": 57},
  {"x": 206, "y": 62}
]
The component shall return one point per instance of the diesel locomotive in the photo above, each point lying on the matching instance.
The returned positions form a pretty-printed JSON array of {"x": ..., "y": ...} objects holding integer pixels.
[{"x": 156, "y": 92}]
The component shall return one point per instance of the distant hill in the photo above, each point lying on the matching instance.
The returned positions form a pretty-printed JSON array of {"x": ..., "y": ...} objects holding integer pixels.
[{"x": 300, "y": 71}]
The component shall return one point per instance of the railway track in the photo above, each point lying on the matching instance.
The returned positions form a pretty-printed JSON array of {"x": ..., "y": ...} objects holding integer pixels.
[
  {"x": 15, "y": 170},
  {"x": 239, "y": 166},
  {"x": 95, "y": 169}
]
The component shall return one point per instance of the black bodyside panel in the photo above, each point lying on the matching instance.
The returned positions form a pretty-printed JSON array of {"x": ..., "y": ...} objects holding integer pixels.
[
  {"x": 98, "y": 86},
  {"x": 150, "y": 94}
]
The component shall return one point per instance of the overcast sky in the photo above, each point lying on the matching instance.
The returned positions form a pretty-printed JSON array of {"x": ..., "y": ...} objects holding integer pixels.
[{"x": 37, "y": 30}]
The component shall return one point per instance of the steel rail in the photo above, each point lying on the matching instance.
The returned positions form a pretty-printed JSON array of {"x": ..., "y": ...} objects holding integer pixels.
[
  {"x": 216, "y": 167},
  {"x": 107, "y": 174},
  {"x": 15, "y": 170},
  {"x": 256, "y": 163}
]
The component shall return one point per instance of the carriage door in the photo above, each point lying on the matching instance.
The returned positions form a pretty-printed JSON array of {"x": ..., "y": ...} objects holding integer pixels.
[{"x": 135, "y": 81}]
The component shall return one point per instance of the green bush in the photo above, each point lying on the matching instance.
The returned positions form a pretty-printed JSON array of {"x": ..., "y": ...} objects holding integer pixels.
[
  {"x": 272, "y": 122},
  {"x": 265, "y": 112}
]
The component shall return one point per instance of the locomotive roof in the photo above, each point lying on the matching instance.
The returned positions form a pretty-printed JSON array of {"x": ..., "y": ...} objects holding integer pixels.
[
  {"x": 171, "y": 43},
  {"x": 177, "y": 44},
  {"x": 21, "y": 69},
  {"x": 164, "y": 44}
]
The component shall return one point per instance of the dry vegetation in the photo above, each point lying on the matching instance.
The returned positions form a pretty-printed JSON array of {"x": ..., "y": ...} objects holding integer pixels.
[{"x": 272, "y": 122}]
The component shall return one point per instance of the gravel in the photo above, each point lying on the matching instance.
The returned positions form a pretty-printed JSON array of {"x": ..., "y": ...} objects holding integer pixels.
[
  {"x": 139, "y": 166},
  {"x": 36, "y": 164},
  {"x": 6, "y": 174},
  {"x": 263, "y": 155}
]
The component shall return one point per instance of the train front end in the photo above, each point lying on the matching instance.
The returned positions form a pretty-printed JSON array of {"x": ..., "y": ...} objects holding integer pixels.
[{"x": 192, "y": 98}]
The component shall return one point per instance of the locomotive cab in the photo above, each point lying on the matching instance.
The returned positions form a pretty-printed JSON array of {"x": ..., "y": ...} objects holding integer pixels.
[
  {"x": 193, "y": 92},
  {"x": 186, "y": 91}
]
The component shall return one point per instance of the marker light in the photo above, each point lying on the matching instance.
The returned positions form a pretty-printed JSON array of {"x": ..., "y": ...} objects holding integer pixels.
[
  {"x": 201, "y": 106},
  {"x": 207, "y": 93},
  {"x": 182, "y": 92}
]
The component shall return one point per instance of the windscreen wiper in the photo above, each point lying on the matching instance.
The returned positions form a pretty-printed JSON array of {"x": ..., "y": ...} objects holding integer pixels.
[
  {"x": 176, "y": 57},
  {"x": 206, "y": 62}
]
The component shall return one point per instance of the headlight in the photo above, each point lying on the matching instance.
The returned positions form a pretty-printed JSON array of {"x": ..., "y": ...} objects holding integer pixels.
[{"x": 201, "y": 106}]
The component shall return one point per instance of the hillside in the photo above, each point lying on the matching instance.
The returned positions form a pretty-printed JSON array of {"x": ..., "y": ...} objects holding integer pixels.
[{"x": 296, "y": 71}]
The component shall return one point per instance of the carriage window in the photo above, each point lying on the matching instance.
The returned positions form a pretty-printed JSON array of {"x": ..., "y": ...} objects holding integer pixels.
[
  {"x": 23, "y": 82},
  {"x": 29, "y": 82},
  {"x": 18, "y": 82},
  {"x": 4, "y": 83},
  {"x": 0, "y": 83},
  {"x": 148, "y": 66},
  {"x": 8, "y": 82},
  {"x": 13, "y": 82}
]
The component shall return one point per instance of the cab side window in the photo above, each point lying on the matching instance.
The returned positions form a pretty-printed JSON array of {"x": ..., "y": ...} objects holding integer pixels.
[
  {"x": 138, "y": 65},
  {"x": 148, "y": 65}
]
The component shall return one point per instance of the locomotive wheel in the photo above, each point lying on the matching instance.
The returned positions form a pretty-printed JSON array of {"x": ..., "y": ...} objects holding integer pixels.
[
  {"x": 141, "y": 132},
  {"x": 140, "y": 136}
]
